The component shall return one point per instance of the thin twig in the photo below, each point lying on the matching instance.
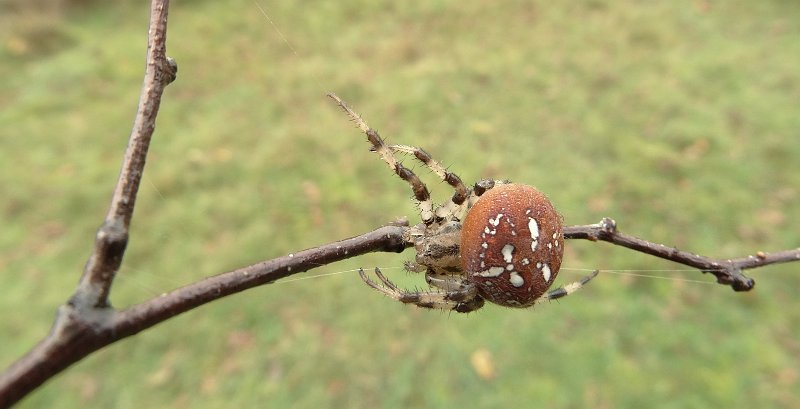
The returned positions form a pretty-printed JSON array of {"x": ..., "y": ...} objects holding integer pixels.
[
  {"x": 112, "y": 237},
  {"x": 727, "y": 271}
]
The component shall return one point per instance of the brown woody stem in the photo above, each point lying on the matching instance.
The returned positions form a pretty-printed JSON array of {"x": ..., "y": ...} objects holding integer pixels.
[
  {"x": 87, "y": 323},
  {"x": 727, "y": 271},
  {"x": 112, "y": 237},
  {"x": 78, "y": 332}
]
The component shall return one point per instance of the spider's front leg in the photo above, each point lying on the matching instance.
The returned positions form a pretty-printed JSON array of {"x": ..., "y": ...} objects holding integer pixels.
[{"x": 463, "y": 299}]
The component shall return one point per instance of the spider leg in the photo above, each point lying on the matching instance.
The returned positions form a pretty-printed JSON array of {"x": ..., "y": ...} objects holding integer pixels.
[
  {"x": 445, "y": 282},
  {"x": 378, "y": 145},
  {"x": 567, "y": 289},
  {"x": 461, "y": 193},
  {"x": 413, "y": 267},
  {"x": 480, "y": 188},
  {"x": 463, "y": 299}
]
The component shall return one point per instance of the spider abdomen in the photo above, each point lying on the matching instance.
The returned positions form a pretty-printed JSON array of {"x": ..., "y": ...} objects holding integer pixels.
[{"x": 512, "y": 243}]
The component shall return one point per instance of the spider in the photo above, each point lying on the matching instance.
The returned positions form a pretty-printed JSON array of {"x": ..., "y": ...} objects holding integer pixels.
[{"x": 507, "y": 250}]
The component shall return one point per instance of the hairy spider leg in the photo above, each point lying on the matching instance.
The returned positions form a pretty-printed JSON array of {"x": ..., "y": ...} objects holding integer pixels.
[
  {"x": 379, "y": 146},
  {"x": 567, "y": 289},
  {"x": 480, "y": 188},
  {"x": 465, "y": 298},
  {"x": 452, "y": 208}
]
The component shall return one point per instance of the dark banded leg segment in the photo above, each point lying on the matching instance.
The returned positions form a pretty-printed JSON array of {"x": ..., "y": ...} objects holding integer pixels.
[
  {"x": 567, "y": 289},
  {"x": 480, "y": 188},
  {"x": 461, "y": 192},
  {"x": 387, "y": 154}
]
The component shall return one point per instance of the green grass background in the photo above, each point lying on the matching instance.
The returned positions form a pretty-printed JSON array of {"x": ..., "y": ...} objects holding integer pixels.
[{"x": 679, "y": 119}]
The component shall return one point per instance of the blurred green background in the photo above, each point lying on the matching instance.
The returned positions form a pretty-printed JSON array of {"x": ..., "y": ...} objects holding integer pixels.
[{"x": 678, "y": 119}]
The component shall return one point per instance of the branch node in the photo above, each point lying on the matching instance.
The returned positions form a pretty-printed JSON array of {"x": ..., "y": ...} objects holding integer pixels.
[
  {"x": 111, "y": 241},
  {"x": 605, "y": 228},
  {"x": 608, "y": 225},
  {"x": 740, "y": 282},
  {"x": 95, "y": 284},
  {"x": 169, "y": 71}
]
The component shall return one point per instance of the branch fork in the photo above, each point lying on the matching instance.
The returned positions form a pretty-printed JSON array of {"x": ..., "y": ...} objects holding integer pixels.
[{"x": 87, "y": 322}]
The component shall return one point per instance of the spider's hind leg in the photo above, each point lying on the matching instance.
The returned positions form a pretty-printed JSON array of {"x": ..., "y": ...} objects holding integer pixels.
[{"x": 567, "y": 289}]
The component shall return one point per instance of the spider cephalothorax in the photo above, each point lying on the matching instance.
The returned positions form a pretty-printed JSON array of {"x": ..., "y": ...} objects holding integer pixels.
[{"x": 508, "y": 249}]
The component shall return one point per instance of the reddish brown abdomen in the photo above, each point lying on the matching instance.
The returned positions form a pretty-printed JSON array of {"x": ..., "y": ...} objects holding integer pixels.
[{"x": 512, "y": 243}]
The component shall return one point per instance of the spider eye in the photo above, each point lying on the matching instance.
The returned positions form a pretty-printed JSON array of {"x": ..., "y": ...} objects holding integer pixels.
[{"x": 512, "y": 243}]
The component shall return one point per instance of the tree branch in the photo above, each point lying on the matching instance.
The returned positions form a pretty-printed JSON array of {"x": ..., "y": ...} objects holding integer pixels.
[
  {"x": 728, "y": 271},
  {"x": 112, "y": 237},
  {"x": 87, "y": 323},
  {"x": 78, "y": 332},
  {"x": 90, "y": 300}
]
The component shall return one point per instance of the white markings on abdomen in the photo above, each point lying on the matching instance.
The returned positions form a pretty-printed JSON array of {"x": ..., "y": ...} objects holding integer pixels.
[
  {"x": 492, "y": 272},
  {"x": 546, "y": 273},
  {"x": 533, "y": 226},
  {"x": 507, "y": 251},
  {"x": 516, "y": 280}
]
